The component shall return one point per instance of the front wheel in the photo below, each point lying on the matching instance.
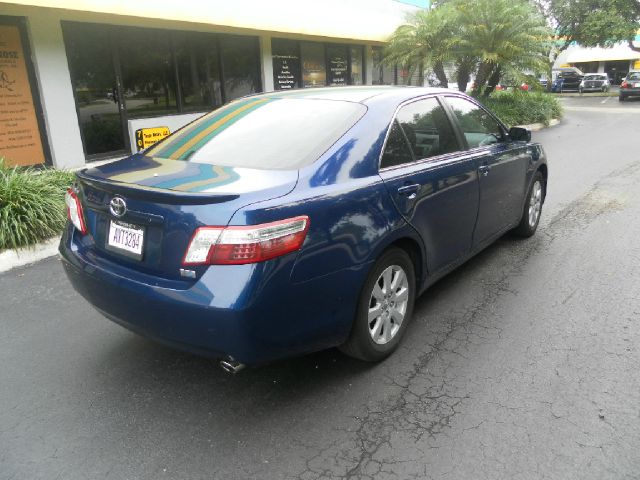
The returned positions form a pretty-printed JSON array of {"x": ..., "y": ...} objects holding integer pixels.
[
  {"x": 532, "y": 208},
  {"x": 384, "y": 309}
]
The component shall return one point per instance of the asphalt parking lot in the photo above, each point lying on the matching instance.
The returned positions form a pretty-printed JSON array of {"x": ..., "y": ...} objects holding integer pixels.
[{"x": 522, "y": 364}]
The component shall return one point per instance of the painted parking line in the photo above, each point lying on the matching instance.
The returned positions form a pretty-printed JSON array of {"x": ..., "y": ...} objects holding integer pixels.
[
  {"x": 602, "y": 109},
  {"x": 605, "y": 100}
]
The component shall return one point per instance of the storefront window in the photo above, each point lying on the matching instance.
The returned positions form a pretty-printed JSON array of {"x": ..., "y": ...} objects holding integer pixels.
[
  {"x": 357, "y": 66},
  {"x": 148, "y": 76},
  {"x": 338, "y": 56},
  {"x": 314, "y": 73},
  {"x": 120, "y": 73},
  {"x": 240, "y": 59},
  {"x": 286, "y": 64},
  {"x": 94, "y": 84},
  {"x": 198, "y": 70},
  {"x": 382, "y": 74}
]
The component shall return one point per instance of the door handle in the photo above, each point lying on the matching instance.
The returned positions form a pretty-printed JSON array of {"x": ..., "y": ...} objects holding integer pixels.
[
  {"x": 484, "y": 170},
  {"x": 409, "y": 191}
]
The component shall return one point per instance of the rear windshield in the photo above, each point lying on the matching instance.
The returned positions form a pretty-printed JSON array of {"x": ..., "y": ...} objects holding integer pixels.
[
  {"x": 634, "y": 76},
  {"x": 261, "y": 132},
  {"x": 594, "y": 77}
]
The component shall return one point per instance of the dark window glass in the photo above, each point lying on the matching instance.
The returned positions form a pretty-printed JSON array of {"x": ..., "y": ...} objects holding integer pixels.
[
  {"x": 478, "y": 126},
  {"x": 427, "y": 128},
  {"x": 338, "y": 57},
  {"x": 286, "y": 64},
  {"x": 263, "y": 133},
  {"x": 241, "y": 64},
  {"x": 198, "y": 70},
  {"x": 396, "y": 150},
  {"x": 94, "y": 84},
  {"x": 357, "y": 66},
  {"x": 148, "y": 74},
  {"x": 314, "y": 72},
  {"x": 382, "y": 74}
]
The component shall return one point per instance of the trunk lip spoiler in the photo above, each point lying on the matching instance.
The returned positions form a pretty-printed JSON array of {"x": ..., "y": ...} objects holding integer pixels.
[{"x": 162, "y": 195}]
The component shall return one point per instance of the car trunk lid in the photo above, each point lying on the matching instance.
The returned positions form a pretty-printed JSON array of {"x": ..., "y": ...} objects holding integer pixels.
[{"x": 165, "y": 201}]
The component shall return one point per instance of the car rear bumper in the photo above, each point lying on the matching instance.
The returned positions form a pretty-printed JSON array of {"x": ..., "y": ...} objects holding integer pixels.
[
  {"x": 627, "y": 92},
  {"x": 253, "y": 313}
]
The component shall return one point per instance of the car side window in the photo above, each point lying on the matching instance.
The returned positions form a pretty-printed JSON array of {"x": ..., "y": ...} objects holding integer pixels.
[
  {"x": 396, "y": 150},
  {"x": 478, "y": 127},
  {"x": 427, "y": 127}
]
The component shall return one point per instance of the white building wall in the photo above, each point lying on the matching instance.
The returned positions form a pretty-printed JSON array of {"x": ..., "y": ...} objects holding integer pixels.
[{"x": 56, "y": 93}]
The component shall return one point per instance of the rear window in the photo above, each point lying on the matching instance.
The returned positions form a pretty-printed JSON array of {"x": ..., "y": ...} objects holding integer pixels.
[
  {"x": 634, "y": 76},
  {"x": 595, "y": 77},
  {"x": 261, "y": 132}
]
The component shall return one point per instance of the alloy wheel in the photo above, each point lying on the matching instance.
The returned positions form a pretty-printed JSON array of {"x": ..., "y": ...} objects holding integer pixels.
[
  {"x": 388, "y": 304},
  {"x": 535, "y": 203}
]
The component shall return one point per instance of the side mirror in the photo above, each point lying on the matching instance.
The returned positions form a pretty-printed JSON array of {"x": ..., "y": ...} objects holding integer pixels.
[{"x": 518, "y": 134}]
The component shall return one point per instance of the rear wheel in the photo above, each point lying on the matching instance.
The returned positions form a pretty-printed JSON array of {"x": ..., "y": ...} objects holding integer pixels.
[
  {"x": 621, "y": 98},
  {"x": 532, "y": 208},
  {"x": 385, "y": 307}
]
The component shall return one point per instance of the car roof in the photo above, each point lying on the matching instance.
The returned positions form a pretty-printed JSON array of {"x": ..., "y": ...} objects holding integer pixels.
[{"x": 359, "y": 94}]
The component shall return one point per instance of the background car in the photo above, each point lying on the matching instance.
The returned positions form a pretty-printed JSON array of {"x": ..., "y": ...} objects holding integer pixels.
[
  {"x": 566, "y": 80},
  {"x": 285, "y": 223},
  {"x": 630, "y": 86},
  {"x": 594, "y": 82}
]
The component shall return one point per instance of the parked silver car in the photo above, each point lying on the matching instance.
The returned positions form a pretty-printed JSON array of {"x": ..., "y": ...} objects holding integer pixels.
[{"x": 594, "y": 82}]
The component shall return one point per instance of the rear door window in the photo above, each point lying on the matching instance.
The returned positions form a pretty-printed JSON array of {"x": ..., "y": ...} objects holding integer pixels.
[
  {"x": 477, "y": 125},
  {"x": 396, "y": 150},
  {"x": 427, "y": 128},
  {"x": 262, "y": 133}
]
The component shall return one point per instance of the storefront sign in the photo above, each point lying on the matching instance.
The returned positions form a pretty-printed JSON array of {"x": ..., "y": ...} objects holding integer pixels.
[
  {"x": 338, "y": 70},
  {"x": 20, "y": 140},
  {"x": 286, "y": 72},
  {"x": 145, "y": 137}
]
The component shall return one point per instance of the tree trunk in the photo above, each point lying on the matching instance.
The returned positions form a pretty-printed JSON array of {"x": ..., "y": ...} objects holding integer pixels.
[
  {"x": 494, "y": 79},
  {"x": 438, "y": 69},
  {"x": 463, "y": 73},
  {"x": 484, "y": 70}
]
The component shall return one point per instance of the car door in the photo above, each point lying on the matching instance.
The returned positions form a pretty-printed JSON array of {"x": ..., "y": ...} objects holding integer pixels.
[
  {"x": 432, "y": 183},
  {"x": 502, "y": 168}
]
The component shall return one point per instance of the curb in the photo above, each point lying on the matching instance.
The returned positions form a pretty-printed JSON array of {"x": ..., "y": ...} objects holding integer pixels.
[
  {"x": 10, "y": 259},
  {"x": 535, "y": 127}
]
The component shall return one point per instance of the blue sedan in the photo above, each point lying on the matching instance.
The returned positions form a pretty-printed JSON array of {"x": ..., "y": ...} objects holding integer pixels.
[{"x": 286, "y": 223}]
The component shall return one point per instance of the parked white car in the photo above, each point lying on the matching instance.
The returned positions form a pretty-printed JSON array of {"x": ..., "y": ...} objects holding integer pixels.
[{"x": 594, "y": 82}]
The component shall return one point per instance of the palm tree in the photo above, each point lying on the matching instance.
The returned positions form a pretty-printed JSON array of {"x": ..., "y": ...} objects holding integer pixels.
[{"x": 488, "y": 37}]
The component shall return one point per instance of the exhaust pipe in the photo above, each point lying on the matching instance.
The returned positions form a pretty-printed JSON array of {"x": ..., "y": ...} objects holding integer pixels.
[{"x": 230, "y": 365}]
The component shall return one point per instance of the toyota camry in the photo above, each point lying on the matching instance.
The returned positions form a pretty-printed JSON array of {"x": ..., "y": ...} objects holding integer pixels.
[{"x": 286, "y": 223}]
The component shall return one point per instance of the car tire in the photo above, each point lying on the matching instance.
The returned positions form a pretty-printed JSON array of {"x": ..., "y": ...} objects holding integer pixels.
[
  {"x": 532, "y": 208},
  {"x": 367, "y": 339},
  {"x": 621, "y": 98}
]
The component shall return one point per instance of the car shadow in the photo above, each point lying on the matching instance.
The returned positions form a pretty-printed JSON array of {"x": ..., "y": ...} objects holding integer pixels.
[{"x": 135, "y": 367}]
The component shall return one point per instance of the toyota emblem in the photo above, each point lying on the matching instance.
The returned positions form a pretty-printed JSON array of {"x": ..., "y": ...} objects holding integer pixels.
[{"x": 117, "y": 207}]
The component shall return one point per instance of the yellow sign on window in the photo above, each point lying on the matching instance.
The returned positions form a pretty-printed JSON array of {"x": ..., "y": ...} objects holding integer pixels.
[
  {"x": 145, "y": 137},
  {"x": 636, "y": 65}
]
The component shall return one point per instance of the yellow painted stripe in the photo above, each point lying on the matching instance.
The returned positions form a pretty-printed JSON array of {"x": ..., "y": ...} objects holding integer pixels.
[
  {"x": 176, "y": 155},
  {"x": 167, "y": 142}
]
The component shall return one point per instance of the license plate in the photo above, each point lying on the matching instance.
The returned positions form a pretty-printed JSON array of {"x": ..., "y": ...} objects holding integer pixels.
[
  {"x": 125, "y": 238},
  {"x": 636, "y": 85}
]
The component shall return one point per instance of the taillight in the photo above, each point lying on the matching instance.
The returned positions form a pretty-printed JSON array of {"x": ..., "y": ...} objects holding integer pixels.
[
  {"x": 74, "y": 211},
  {"x": 236, "y": 245},
  {"x": 624, "y": 85}
]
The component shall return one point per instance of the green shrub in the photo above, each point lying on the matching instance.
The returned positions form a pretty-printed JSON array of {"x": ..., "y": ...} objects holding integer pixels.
[
  {"x": 517, "y": 107},
  {"x": 32, "y": 205}
]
